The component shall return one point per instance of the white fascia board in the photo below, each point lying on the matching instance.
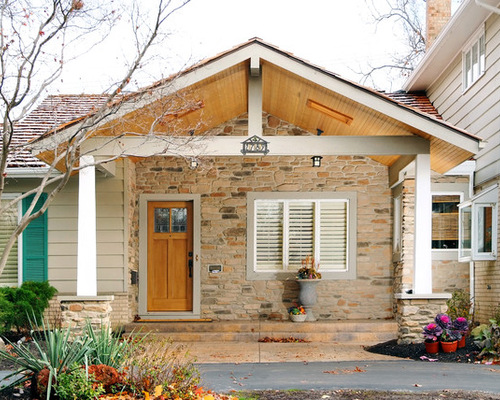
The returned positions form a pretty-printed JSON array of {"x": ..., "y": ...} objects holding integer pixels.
[
  {"x": 372, "y": 100},
  {"x": 277, "y": 145},
  {"x": 447, "y": 45},
  {"x": 29, "y": 172}
]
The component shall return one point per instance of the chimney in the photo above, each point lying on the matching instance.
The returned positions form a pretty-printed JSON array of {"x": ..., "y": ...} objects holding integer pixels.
[{"x": 437, "y": 16}]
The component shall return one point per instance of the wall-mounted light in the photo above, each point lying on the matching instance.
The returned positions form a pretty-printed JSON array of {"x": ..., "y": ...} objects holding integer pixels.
[
  {"x": 193, "y": 164},
  {"x": 319, "y": 131},
  {"x": 316, "y": 161}
]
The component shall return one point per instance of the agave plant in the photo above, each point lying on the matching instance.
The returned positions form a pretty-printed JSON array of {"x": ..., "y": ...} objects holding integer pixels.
[{"x": 55, "y": 351}]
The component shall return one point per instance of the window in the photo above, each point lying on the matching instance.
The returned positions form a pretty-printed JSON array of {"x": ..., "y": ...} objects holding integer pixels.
[
  {"x": 478, "y": 226},
  {"x": 474, "y": 60},
  {"x": 445, "y": 221},
  {"x": 28, "y": 258},
  {"x": 285, "y": 228}
]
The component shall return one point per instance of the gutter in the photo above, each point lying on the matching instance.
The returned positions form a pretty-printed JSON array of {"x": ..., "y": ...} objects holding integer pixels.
[{"x": 36, "y": 172}]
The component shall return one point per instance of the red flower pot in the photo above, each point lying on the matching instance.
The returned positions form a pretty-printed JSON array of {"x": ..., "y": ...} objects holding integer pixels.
[
  {"x": 449, "y": 347},
  {"x": 461, "y": 342},
  {"x": 431, "y": 347}
]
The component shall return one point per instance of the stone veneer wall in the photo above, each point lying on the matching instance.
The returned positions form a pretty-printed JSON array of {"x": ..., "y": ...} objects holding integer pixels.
[
  {"x": 414, "y": 313},
  {"x": 223, "y": 184},
  {"x": 487, "y": 280}
]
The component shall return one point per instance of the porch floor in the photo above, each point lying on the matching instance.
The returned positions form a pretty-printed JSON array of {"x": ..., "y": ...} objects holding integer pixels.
[{"x": 238, "y": 341}]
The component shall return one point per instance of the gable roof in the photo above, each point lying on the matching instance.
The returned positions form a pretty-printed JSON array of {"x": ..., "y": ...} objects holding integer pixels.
[{"x": 289, "y": 86}]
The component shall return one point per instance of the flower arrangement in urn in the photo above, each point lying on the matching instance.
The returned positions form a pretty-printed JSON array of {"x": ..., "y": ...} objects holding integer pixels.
[{"x": 309, "y": 269}]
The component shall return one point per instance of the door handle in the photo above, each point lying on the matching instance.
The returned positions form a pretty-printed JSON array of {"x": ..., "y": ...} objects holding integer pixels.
[{"x": 190, "y": 266}]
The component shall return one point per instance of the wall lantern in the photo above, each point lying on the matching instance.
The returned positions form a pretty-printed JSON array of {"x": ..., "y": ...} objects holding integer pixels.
[
  {"x": 316, "y": 161},
  {"x": 193, "y": 164}
]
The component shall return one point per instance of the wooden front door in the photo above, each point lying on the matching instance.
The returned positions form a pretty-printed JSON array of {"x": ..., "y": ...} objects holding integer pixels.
[{"x": 170, "y": 256}]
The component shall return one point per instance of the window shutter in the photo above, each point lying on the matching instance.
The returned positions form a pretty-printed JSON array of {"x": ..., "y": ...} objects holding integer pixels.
[
  {"x": 300, "y": 233},
  {"x": 35, "y": 244},
  {"x": 333, "y": 232},
  {"x": 8, "y": 221},
  {"x": 269, "y": 235}
]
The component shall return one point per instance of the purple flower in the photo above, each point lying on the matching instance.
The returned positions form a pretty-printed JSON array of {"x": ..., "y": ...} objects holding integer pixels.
[
  {"x": 443, "y": 320},
  {"x": 461, "y": 324},
  {"x": 432, "y": 332}
]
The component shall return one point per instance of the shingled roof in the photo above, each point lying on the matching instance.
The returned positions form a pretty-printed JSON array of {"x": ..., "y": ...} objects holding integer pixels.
[{"x": 52, "y": 112}]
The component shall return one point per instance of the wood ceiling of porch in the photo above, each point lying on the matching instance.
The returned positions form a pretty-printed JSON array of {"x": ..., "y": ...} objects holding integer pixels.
[{"x": 224, "y": 96}]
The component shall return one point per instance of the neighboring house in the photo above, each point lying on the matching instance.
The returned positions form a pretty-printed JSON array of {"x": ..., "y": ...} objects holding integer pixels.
[
  {"x": 224, "y": 240},
  {"x": 461, "y": 76}
]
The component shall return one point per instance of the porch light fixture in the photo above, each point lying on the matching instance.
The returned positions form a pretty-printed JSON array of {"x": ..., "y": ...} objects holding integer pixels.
[
  {"x": 193, "y": 164},
  {"x": 316, "y": 161}
]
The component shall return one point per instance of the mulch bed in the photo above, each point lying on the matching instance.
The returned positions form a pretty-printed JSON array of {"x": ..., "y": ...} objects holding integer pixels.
[{"x": 416, "y": 351}]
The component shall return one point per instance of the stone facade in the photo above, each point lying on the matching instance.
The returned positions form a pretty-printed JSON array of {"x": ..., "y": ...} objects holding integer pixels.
[
  {"x": 413, "y": 313},
  {"x": 223, "y": 184},
  {"x": 76, "y": 312}
]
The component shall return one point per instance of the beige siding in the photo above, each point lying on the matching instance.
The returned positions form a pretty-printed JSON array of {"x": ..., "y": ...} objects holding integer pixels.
[
  {"x": 478, "y": 109},
  {"x": 63, "y": 237}
]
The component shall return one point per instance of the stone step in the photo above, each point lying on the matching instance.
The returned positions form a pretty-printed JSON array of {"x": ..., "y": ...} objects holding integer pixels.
[{"x": 364, "y": 332}]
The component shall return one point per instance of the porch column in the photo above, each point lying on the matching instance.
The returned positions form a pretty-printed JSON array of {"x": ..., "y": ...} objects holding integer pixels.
[
  {"x": 422, "y": 258},
  {"x": 254, "y": 98},
  {"x": 86, "y": 278}
]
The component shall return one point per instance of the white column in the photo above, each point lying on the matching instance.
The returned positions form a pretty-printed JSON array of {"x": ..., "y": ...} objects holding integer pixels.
[
  {"x": 86, "y": 278},
  {"x": 254, "y": 99},
  {"x": 422, "y": 283}
]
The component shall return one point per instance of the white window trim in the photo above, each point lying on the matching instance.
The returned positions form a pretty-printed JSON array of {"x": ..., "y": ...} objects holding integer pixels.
[
  {"x": 350, "y": 197},
  {"x": 468, "y": 48},
  {"x": 487, "y": 197}
]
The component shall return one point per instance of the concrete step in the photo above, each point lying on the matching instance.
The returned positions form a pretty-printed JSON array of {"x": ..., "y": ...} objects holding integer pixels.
[{"x": 363, "y": 332}]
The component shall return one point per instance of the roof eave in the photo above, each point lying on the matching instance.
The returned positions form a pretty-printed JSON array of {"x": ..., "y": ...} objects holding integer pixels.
[{"x": 447, "y": 45}]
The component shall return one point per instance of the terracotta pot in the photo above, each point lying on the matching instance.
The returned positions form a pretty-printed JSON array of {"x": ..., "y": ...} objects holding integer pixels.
[
  {"x": 461, "y": 342},
  {"x": 449, "y": 347},
  {"x": 431, "y": 347}
]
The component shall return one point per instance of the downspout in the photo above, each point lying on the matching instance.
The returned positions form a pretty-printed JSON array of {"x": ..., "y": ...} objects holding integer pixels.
[{"x": 494, "y": 9}]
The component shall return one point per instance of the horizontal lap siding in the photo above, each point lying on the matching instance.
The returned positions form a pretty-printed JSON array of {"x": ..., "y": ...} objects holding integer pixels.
[
  {"x": 63, "y": 236},
  {"x": 478, "y": 111}
]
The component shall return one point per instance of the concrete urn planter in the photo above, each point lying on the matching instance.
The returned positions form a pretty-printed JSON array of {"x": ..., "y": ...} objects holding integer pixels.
[{"x": 308, "y": 296}]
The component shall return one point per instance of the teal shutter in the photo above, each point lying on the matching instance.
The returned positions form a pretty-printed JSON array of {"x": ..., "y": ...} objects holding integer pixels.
[{"x": 35, "y": 244}]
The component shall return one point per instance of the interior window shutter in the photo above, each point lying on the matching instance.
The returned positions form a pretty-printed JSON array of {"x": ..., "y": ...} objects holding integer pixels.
[
  {"x": 269, "y": 235},
  {"x": 300, "y": 232},
  {"x": 35, "y": 244},
  {"x": 8, "y": 221},
  {"x": 333, "y": 235}
]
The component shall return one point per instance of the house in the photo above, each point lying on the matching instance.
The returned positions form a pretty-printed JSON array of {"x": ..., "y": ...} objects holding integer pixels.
[
  {"x": 216, "y": 229},
  {"x": 460, "y": 74}
]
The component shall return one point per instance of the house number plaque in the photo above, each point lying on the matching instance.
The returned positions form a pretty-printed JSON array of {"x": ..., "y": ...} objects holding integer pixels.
[{"x": 255, "y": 145}]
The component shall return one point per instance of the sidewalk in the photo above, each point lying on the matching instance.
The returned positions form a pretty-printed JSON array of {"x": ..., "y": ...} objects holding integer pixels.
[{"x": 397, "y": 375}]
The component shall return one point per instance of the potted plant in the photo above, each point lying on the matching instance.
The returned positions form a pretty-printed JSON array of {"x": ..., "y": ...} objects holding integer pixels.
[
  {"x": 432, "y": 333},
  {"x": 308, "y": 276},
  {"x": 449, "y": 341},
  {"x": 297, "y": 313},
  {"x": 461, "y": 325}
]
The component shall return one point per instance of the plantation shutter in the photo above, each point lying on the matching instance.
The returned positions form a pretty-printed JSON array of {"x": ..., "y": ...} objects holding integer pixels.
[
  {"x": 269, "y": 235},
  {"x": 35, "y": 244},
  {"x": 333, "y": 232},
  {"x": 300, "y": 232},
  {"x": 8, "y": 222}
]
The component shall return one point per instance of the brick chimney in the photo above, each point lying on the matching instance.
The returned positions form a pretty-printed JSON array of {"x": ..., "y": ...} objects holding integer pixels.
[{"x": 437, "y": 16}]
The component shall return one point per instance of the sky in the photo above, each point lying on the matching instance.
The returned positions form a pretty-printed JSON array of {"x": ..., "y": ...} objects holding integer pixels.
[{"x": 337, "y": 35}]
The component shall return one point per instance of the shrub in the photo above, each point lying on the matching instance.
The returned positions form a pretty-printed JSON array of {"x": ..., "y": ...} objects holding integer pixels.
[
  {"x": 19, "y": 304},
  {"x": 459, "y": 305},
  {"x": 78, "y": 385},
  {"x": 161, "y": 367},
  {"x": 487, "y": 338}
]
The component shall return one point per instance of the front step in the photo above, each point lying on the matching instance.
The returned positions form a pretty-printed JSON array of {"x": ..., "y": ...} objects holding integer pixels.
[{"x": 362, "y": 332}]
